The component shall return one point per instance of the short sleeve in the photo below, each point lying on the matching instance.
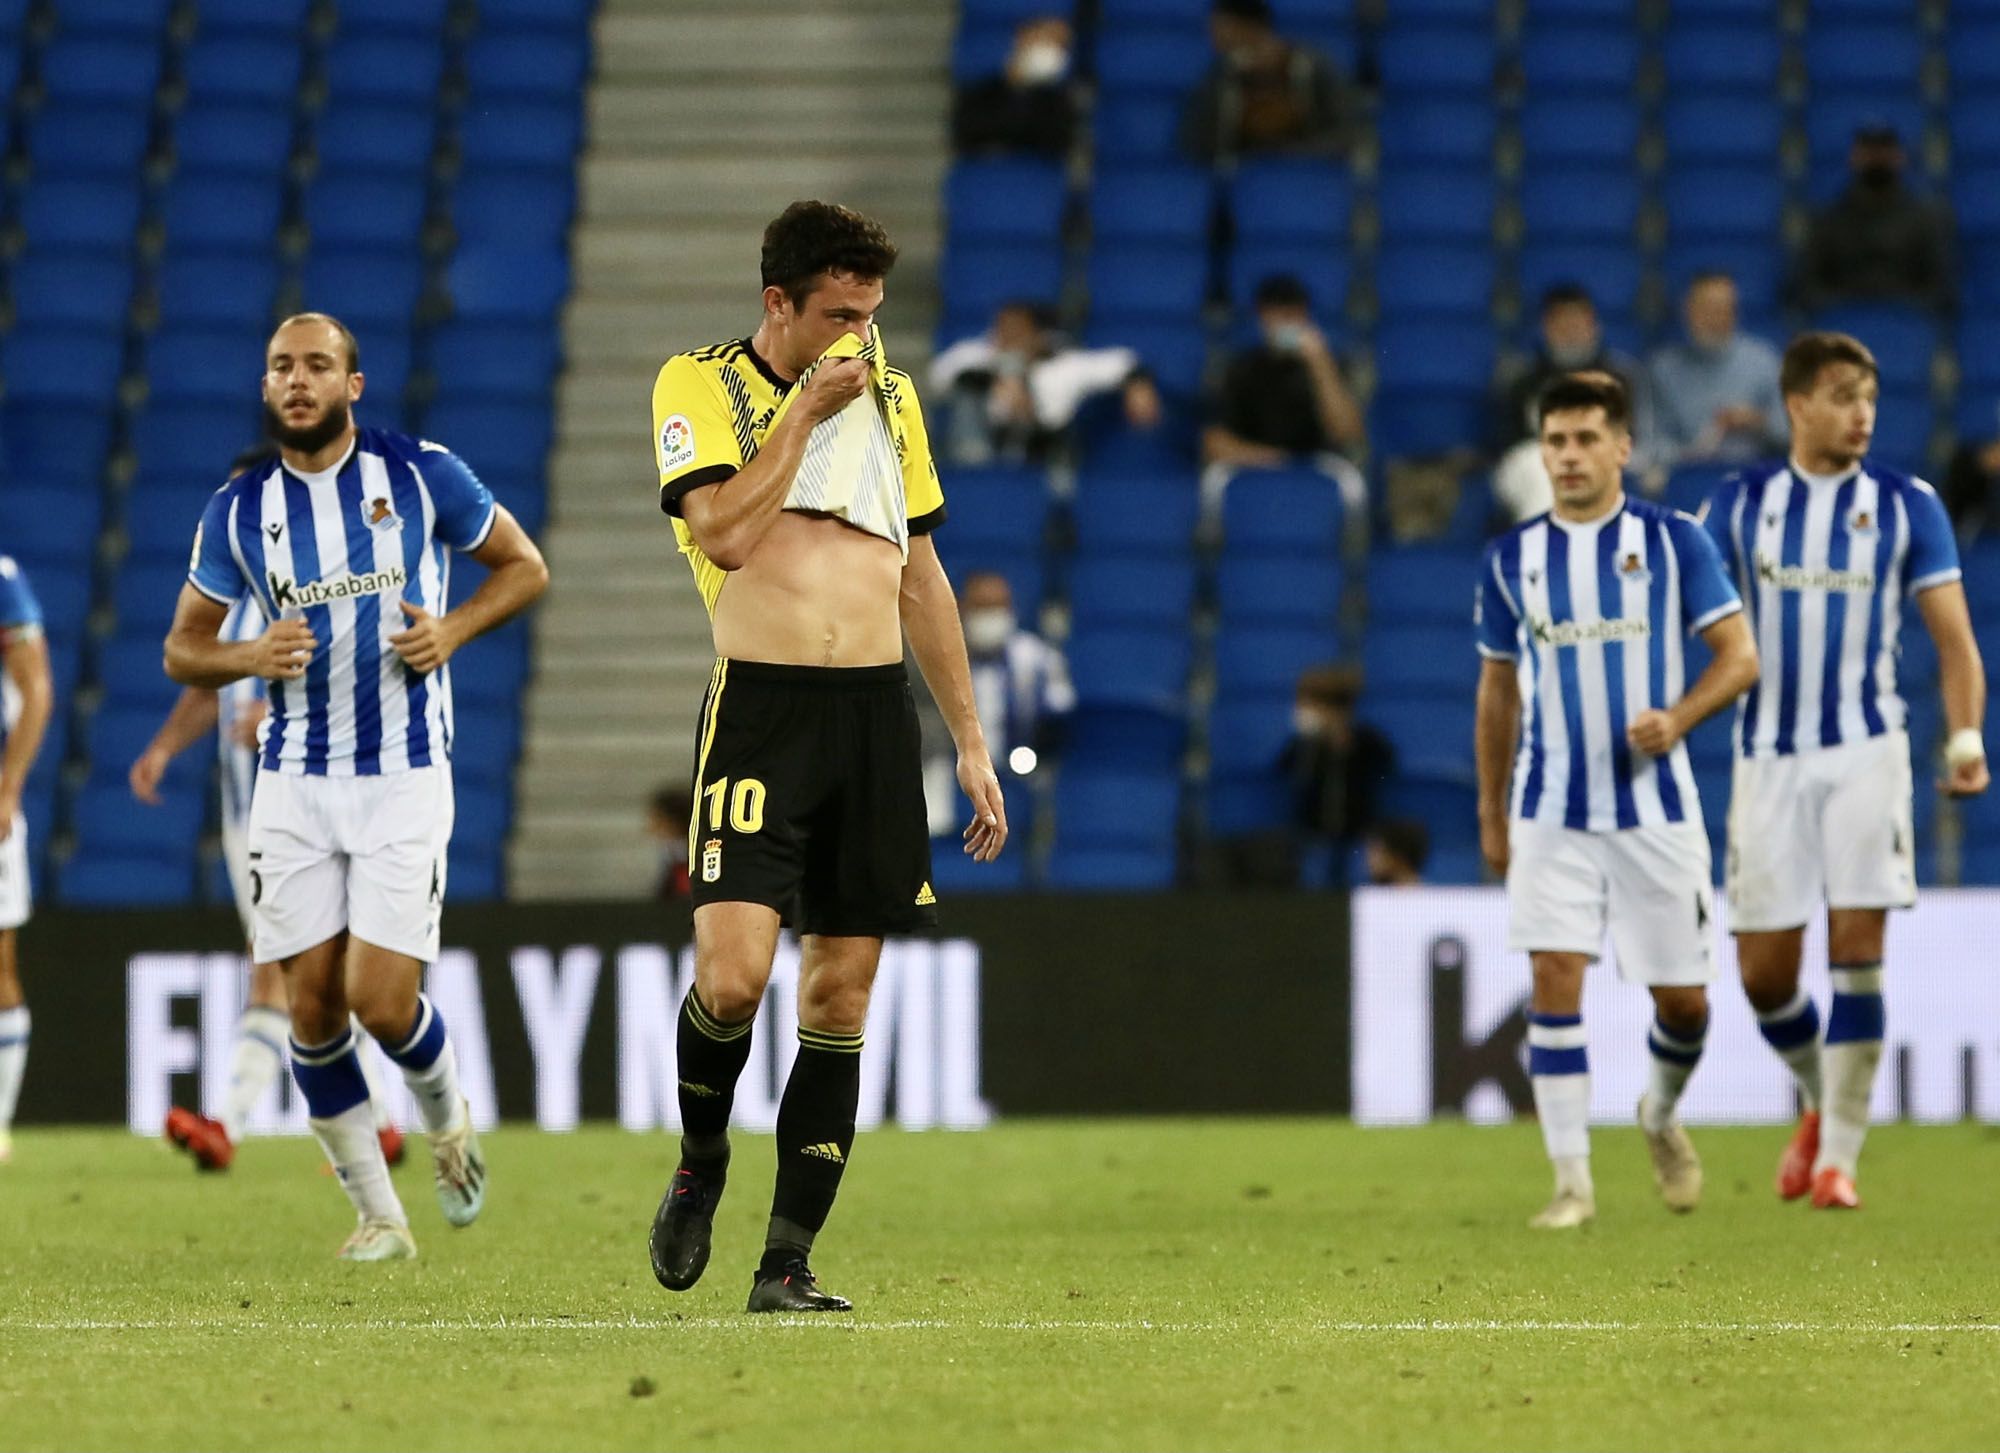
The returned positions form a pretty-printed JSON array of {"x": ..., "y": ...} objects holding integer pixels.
[
  {"x": 213, "y": 571},
  {"x": 1933, "y": 557},
  {"x": 1707, "y": 593},
  {"x": 1495, "y": 623},
  {"x": 923, "y": 494},
  {"x": 694, "y": 435},
  {"x": 464, "y": 506},
  {"x": 19, "y": 610}
]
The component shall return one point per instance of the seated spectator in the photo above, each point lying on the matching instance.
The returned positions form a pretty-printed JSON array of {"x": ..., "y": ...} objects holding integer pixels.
[
  {"x": 1336, "y": 764},
  {"x": 1263, "y": 93},
  {"x": 668, "y": 816},
  {"x": 1285, "y": 400},
  {"x": 1972, "y": 483},
  {"x": 1572, "y": 340},
  {"x": 1878, "y": 241},
  {"x": 1397, "y": 851},
  {"x": 1020, "y": 686},
  {"x": 1715, "y": 396},
  {"x": 1028, "y": 107},
  {"x": 1012, "y": 392}
]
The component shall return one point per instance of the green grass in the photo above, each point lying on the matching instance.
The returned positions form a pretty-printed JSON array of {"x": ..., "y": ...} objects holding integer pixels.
[{"x": 1142, "y": 1284}]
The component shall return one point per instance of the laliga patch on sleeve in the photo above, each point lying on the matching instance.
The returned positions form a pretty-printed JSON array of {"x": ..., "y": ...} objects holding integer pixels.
[{"x": 676, "y": 443}]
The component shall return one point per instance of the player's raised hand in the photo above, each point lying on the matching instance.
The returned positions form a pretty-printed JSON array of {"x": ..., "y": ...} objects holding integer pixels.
[
  {"x": 146, "y": 774},
  {"x": 427, "y": 643},
  {"x": 285, "y": 650},
  {"x": 834, "y": 385},
  {"x": 1653, "y": 732},
  {"x": 986, "y": 834}
]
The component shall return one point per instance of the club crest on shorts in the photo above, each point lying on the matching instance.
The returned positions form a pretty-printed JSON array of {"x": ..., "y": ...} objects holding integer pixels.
[{"x": 711, "y": 860}]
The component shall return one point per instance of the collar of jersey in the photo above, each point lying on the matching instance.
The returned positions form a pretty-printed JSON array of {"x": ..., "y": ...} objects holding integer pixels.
[
  {"x": 1821, "y": 481},
  {"x": 331, "y": 473},
  {"x": 757, "y": 362},
  {"x": 1575, "y": 527}
]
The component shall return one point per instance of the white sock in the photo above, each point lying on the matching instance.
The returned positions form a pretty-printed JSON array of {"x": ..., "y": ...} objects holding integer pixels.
[
  {"x": 1672, "y": 1056},
  {"x": 355, "y": 1153},
  {"x": 260, "y": 1055},
  {"x": 1853, "y": 1050},
  {"x": 378, "y": 1099},
  {"x": 13, "y": 1060},
  {"x": 1559, "y": 1071},
  {"x": 1793, "y": 1032},
  {"x": 439, "y": 1099}
]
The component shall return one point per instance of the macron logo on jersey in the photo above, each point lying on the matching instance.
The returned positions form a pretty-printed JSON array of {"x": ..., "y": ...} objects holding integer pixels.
[
  {"x": 1799, "y": 577},
  {"x": 290, "y": 595}
]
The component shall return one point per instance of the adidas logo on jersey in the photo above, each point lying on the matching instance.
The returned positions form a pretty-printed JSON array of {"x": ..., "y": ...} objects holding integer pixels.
[
  {"x": 825, "y": 1150},
  {"x": 926, "y": 898},
  {"x": 291, "y": 595}
]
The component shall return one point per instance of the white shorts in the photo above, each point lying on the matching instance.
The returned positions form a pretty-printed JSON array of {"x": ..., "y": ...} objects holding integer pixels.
[
  {"x": 1831, "y": 825},
  {"x": 15, "y": 898},
  {"x": 236, "y": 858},
  {"x": 1650, "y": 885},
  {"x": 365, "y": 854}
]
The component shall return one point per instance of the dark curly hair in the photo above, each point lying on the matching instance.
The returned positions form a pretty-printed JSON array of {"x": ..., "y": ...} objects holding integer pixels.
[
  {"x": 810, "y": 238},
  {"x": 1591, "y": 388}
]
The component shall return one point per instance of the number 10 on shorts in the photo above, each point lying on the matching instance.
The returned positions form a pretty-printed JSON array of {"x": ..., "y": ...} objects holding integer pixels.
[{"x": 746, "y": 804}]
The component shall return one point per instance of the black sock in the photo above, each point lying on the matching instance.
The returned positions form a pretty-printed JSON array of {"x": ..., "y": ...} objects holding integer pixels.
[
  {"x": 815, "y": 1134},
  {"x": 712, "y": 1056}
]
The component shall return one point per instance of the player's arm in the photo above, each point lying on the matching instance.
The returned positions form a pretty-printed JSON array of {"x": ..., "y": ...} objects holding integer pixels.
[
  {"x": 516, "y": 575},
  {"x": 196, "y": 654},
  {"x": 24, "y": 656},
  {"x": 1732, "y": 670},
  {"x": 1962, "y": 682},
  {"x": 930, "y": 620},
  {"x": 1496, "y": 720},
  {"x": 194, "y": 715},
  {"x": 730, "y": 518}
]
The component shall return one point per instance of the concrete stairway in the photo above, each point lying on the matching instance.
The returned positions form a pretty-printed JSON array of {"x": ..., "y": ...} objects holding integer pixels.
[{"x": 706, "y": 118}]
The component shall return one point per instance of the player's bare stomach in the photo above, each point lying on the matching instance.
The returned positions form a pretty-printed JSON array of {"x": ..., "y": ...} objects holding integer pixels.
[{"x": 815, "y": 592}]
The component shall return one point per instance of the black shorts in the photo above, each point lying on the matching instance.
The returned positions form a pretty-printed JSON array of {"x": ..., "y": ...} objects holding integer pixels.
[{"x": 809, "y": 798}]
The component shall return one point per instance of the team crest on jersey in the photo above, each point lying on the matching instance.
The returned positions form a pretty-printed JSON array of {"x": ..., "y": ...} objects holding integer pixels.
[
  {"x": 1634, "y": 569},
  {"x": 382, "y": 514},
  {"x": 676, "y": 443},
  {"x": 1862, "y": 522},
  {"x": 711, "y": 860}
]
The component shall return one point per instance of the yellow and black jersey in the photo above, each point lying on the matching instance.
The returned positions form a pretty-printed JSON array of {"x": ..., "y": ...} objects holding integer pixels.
[{"x": 714, "y": 407}]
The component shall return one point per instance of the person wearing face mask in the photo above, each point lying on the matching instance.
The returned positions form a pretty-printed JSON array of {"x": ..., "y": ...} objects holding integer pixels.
[
  {"x": 1285, "y": 399},
  {"x": 1263, "y": 94},
  {"x": 1028, "y": 106},
  {"x": 1716, "y": 394},
  {"x": 668, "y": 814},
  {"x": 1878, "y": 241}
]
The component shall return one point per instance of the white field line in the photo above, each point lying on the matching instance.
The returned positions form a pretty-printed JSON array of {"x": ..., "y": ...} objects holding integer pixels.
[{"x": 854, "y": 1326}]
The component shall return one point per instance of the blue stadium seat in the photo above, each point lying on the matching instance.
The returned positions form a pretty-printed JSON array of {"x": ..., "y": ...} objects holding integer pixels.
[
  {"x": 1974, "y": 52},
  {"x": 377, "y": 288},
  {"x": 1002, "y": 507},
  {"x": 221, "y": 290},
  {"x": 953, "y": 873},
  {"x": 1025, "y": 572},
  {"x": 1832, "y": 119},
  {"x": 1432, "y": 60},
  {"x": 56, "y": 443},
  {"x": 1175, "y": 353},
  {"x": 1975, "y": 191},
  {"x": 1247, "y": 733},
  {"x": 995, "y": 199},
  {"x": 1438, "y": 202},
  {"x": 117, "y": 734},
  {"x": 223, "y": 209},
  {"x": 1153, "y": 12},
  {"x": 108, "y": 821},
  {"x": 1291, "y": 201},
  {"x": 387, "y": 68},
  {"x": 1886, "y": 57},
  {"x": 1085, "y": 869},
  {"x": 1159, "y": 59},
  {"x": 1138, "y": 592},
  {"x": 522, "y": 206},
  {"x": 360, "y": 208},
  {"x": 1423, "y": 584},
  {"x": 482, "y": 816},
  {"x": 1112, "y": 808},
  {"x": 101, "y": 70},
  {"x": 387, "y": 358},
  {"x": 1904, "y": 339},
  {"x": 521, "y": 133},
  {"x": 1412, "y": 423},
  {"x": 65, "y": 597},
  {"x": 1129, "y": 666},
  {"x": 1706, "y": 202},
  {"x": 1723, "y": 128},
  {"x": 1584, "y": 204},
  {"x": 491, "y": 283},
  {"x": 977, "y": 280},
  {"x": 1440, "y": 278},
  {"x": 52, "y": 523},
  {"x": 234, "y": 136},
  {"x": 1282, "y": 512},
  {"x": 1979, "y": 363},
  {"x": 81, "y": 214},
  {"x": 1119, "y": 514},
  {"x": 126, "y": 881},
  {"x": 262, "y": 17},
  {"x": 1434, "y": 353},
  {"x": 1903, "y": 423},
  {"x": 528, "y": 63},
  {"x": 1562, "y": 128},
  {"x": 1611, "y": 273},
  {"x": 1137, "y": 129},
  {"x": 1322, "y": 269},
  {"x": 1163, "y": 204},
  {"x": 475, "y": 876},
  {"x": 483, "y": 359},
  {"x": 1128, "y": 738},
  {"x": 1423, "y": 657},
  {"x": 87, "y": 292},
  {"x": 1134, "y": 280},
  {"x": 395, "y": 17},
  {"x": 129, "y": 18},
  {"x": 536, "y": 14},
  {"x": 1568, "y": 57},
  {"x": 377, "y": 135},
  {"x": 495, "y": 431},
  {"x": 980, "y": 48},
  {"x": 1738, "y": 54},
  {"x": 1690, "y": 486},
  {"x": 1270, "y": 659},
  {"x": 84, "y": 138},
  {"x": 58, "y": 365},
  {"x": 193, "y": 443},
  {"x": 1756, "y": 267},
  {"x": 1432, "y": 732},
  {"x": 1242, "y": 803},
  {"x": 244, "y": 67},
  {"x": 1280, "y": 590},
  {"x": 204, "y": 364},
  {"x": 144, "y": 593},
  {"x": 161, "y": 514},
  {"x": 1427, "y": 130}
]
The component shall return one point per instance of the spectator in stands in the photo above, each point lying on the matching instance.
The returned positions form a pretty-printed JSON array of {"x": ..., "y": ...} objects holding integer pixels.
[
  {"x": 1572, "y": 340},
  {"x": 1972, "y": 483},
  {"x": 1028, "y": 107},
  {"x": 1285, "y": 399},
  {"x": 668, "y": 816},
  {"x": 1878, "y": 241},
  {"x": 1013, "y": 391},
  {"x": 1397, "y": 850},
  {"x": 1335, "y": 763},
  {"x": 1716, "y": 395},
  {"x": 1263, "y": 93}
]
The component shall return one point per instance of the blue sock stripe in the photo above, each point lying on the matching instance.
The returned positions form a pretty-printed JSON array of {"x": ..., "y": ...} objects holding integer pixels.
[
  {"x": 426, "y": 1039},
  {"x": 14, "y": 1040},
  {"x": 1856, "y": 1018},
  {"x": 1672, "y": 1053},
  {"x": 333, "y": 1084},
  {"x": 1554, "y": 1021},
  {"x": 320, "y": 1054},
  {"x": 1784, "y": 1034},
  {"x": 1543, "y": 1061}
]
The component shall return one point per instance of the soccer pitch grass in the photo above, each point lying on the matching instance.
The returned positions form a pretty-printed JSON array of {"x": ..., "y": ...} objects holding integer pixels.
[{"x": 1138, "y": 1284}]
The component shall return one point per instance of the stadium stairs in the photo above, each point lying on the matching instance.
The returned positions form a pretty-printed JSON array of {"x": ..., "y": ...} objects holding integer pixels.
[{"x": 706, "y": 119}]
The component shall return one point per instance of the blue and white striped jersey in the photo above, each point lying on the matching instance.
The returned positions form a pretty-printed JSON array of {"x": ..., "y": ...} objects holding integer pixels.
[
  {"x": 1824, "y": 565},
  {"x": 1594, "y": 615},
  {"x": 19, "y": 611},
  {"x": 341, "y": 550},
  {"x": 245, "y": 622}
]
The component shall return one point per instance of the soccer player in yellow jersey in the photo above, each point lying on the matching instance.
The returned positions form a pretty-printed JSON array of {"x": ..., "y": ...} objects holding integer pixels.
[{"x": 796, "y": 470}]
